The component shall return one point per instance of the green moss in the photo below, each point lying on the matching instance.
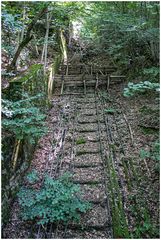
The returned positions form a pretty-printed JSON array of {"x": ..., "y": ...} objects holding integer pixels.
[
  {"x": 112, "y": 146},
  {"x": 57, "y": 63},
  {"x": 149, "y": 130},
  {"x": 80, "y": 141},
  {"x": 133, "y": 169},
  {"x": 138, "y": 207},
  {"x": 119, "y": 223},
  {"x": 126, "y": 172},
  {"x": 30, "y": 73},
  {"x": 120, "y": 228}
]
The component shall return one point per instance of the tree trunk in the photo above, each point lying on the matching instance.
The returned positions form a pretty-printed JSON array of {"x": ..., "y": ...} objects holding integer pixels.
[
  {"x": 42, "y": 55},
  {"x": 64, "y": 47},
  {"x": 27, "y": 38},
  {"x": 23, "y": 26},
  {"x": 48, "y": 19},
  {"x": 20, "y": 47},
  {"x": 36, "y": 47}
]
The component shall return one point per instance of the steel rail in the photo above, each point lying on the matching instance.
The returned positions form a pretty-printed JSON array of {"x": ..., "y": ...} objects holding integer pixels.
[
  {"x": 103, "y": 156},
  {"x": 113, "y": 154}
]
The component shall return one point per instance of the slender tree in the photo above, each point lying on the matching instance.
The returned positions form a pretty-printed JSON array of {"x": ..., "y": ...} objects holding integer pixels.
[
  {"x": 45, "y": 48},
  {"x": 26, "y": 39}
]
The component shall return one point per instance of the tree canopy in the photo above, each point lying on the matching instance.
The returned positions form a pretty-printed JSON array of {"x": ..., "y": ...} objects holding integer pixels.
[{"x": 122, "y": 31}]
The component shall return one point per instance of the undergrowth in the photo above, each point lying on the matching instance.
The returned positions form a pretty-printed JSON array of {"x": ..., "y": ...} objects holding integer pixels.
[
  {"x": 23, "y": 119},
  {"x": 153, "y": 154},
  {"x": 141, "y": 87},
  {"x": 56, "y": 200}
]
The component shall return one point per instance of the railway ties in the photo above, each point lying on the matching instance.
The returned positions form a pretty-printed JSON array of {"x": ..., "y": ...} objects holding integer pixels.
[
  {"x": 93, "y": 151},
  {"x": 88, "y": 170},
  {"x": 81, "y": 155},
  {"x": 84, "y": 152}
]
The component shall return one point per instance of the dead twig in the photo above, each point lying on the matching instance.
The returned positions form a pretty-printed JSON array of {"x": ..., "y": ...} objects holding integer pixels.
[{"x": 130, "y": 130}]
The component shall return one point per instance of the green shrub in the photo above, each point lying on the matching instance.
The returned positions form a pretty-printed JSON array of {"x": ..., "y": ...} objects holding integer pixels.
[
  {"x": 151, "y": 73},
  {"x": 145, "y": 227},
  {"x": 23, "y": 119},
  {"x": 141, "y": 87},
  {"x": 32, "y": 177},
  {"x": 144, "y": 154},
  {"x": 56, "y": 200}
]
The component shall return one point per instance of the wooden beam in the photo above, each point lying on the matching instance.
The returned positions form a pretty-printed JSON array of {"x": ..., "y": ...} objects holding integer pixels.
[
  {"x": 15, "y": 153},
  {"x": 69, "y": 94},
  {"x": 96, "y": 86},
  {"x": 91, "y": 70},
  {"x": 102, "y": 73},
  {"x": 108, "y": 82},
  {"x": 84, "y": 82},
  {"x": 67, "y": 69},
  {"x": 115, "y": 76},
  {"x": 62, "y": 86}
]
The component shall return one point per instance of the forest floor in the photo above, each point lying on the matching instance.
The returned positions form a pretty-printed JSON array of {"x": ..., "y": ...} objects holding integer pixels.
[{"x": 110, "y": 126}]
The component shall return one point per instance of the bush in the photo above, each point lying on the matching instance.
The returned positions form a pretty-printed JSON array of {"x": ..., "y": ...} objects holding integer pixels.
[
  {"x": 141, "y": 87},
  {"x": 23, "y": 119},
  {"x": 151, "y": 73},
  {"x": 56, "y": 200}
]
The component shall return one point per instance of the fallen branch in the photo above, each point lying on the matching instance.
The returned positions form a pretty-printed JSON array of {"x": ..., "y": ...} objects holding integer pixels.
[
  {"x": 130, "y": 130},
  {"x": 15, "y": 153}
]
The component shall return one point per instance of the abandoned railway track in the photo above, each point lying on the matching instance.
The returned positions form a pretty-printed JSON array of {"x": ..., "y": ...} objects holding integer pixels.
[
  {"x": 87, "y": 150},
  {"x": 85, "y": 163},
  {"x": 90, "y": 137}
]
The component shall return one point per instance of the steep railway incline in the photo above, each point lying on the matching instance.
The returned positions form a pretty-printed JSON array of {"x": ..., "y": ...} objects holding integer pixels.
[
  {"x": 90, "y": 147},
  {"x": 91, "y": 138}
]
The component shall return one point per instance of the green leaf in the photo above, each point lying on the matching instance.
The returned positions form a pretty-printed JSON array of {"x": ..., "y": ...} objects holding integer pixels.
[
  {"x": 56, "y": 200},
  {"x": 110, "y": 110}
]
